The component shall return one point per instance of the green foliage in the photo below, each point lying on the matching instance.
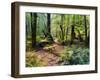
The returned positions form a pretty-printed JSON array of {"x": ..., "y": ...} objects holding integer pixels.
[
  {"x": 29, "y": 43},
  {"x": 32, "y": 60},
  {"x": 75, "y": 55},
  {"x": 65, "y": 20},
  {"x": 60, "y": 32},
  {"x": 38, "y": 38},
  {"x": 41, "y": 24}
]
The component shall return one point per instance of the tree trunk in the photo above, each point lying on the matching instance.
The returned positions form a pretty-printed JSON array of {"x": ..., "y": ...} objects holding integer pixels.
[
  {"x": 48, "y": 23},
  {"x": 62, "y": 28},
  {"x": 67, "y": 26},
  {"x": 72, "y": 30},
  {"x": 72, "y": 34},
  {"x": 79, "y": 36},
  {"x": 49, "y": 36},
  {"x": 67, "y": 33},
  {"x": 33, "y": 28},
  {"x": 62, "y": 33},
  {"x": 85, "y": 25}
]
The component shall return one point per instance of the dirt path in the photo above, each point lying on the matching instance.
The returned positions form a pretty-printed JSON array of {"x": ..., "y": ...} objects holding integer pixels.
[{"x": 50, "y": 57}]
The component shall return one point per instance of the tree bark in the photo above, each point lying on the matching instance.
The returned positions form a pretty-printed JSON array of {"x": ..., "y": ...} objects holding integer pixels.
[
  {"x": 72, "y": 34},
  {"x": 61, "y": 27},
  {"x": 48, "y": 23},
  {"x": 72, "y": 30},
  {"x": 49, "y": 36},
  {"x": 67, "y": 33},
  {"x": 33, "y": 28},
  {"x": 85, "y": 25}
]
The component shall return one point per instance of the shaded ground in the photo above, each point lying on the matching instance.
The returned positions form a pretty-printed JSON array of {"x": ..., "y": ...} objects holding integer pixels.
[{"x": 49, "y": 56}]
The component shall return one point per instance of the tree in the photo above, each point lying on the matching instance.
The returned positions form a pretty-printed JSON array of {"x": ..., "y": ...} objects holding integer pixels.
[
  {"x": 85, "y": 25},
  {"x": 28, "y": 25},
  {"x": 49, "y": 36},
  {"x": 61, "y": 26},
  {"x": 33, "y": 28},
  {"x": 67, "y": 26},
  {"x": 72, "y": 29},
  {"x": 79, "y": 28},
  {"x": 48, "y": 23}
]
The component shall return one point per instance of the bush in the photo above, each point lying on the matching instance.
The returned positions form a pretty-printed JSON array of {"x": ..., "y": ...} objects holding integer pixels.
[{"x": 75, "y": 55}]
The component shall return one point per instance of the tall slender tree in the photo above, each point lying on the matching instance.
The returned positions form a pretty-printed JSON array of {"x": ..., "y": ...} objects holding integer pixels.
[
  {"x": 61, "y": 27},
  {"x": 48, "y": 22},
  {"x": 67, "y": 26},
  {"x": 49, "y": 36},
  {"x": 33, "y": 28},
  {"x": 85, "y": 25},
  {"x": 72, "y": 29}
]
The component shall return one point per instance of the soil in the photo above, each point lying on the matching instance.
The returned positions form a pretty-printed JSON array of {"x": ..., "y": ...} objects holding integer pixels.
[{"x": 50, "y": 56}]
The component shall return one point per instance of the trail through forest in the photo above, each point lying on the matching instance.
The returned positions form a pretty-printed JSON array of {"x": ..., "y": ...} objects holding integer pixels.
[
  {"x": 50, "y": 57},
  {"x": 57, "y": 39}
]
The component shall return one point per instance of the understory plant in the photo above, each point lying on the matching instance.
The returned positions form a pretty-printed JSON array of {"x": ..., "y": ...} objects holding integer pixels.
[
  {"x": 75, "y": 55},
  {"x": 32, "y": 60}
]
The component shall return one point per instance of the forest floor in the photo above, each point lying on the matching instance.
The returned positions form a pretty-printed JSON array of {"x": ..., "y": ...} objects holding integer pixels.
[{"x": 49, "y": 56}]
